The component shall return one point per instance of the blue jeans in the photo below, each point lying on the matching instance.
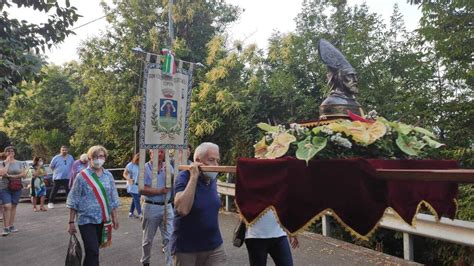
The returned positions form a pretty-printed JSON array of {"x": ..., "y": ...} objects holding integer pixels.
[
  {"x": 135, "y": 203},
  {"x": 278, "y": 248}
]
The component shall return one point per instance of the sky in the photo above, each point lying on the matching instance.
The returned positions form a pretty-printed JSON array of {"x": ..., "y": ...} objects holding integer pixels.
[{"x": 259, "y": 20}]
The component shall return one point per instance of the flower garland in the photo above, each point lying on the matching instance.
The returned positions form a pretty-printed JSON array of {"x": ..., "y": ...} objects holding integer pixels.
[{"x": 370, "y": 137}]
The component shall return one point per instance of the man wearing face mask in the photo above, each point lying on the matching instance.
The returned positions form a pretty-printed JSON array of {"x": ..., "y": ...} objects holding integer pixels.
[
  {"x": 157, "y": 199},
  {"x": 196, "y": 237},
  {"x": 61, "y": 165}
]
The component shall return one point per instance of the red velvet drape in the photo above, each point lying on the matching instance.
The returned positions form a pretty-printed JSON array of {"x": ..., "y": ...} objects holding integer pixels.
[{"x": 299, "y": 192}]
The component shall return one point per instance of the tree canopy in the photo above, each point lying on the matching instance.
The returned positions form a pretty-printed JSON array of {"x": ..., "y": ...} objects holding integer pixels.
[{"x": 21, "y": 42}]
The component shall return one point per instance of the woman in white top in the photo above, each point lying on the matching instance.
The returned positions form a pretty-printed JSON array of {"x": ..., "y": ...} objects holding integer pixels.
[{"x": 267, "y": 237}]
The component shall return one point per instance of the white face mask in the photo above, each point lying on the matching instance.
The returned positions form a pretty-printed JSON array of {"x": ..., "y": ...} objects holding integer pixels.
[
  {"x": 97, "y": 163},
  {"x": 210, "y": 175},
  {"x": 40, "y": 163}
]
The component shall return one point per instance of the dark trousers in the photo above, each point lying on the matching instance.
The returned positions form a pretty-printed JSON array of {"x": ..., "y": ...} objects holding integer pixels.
[
  {"x": 56, "y": 185},
  {"x": 91, "y": 234},
  {"x": 135, "y": 203},
  {"x": 278, "y": 248}
]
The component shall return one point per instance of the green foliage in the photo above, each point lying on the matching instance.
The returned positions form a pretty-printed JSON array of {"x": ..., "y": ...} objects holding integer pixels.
[
  {"x": 19, "y": 39},
  {"x": 43, "y": 108},
  {"x": 45, "y": 143},
  {"x": 112, "y": 73}
]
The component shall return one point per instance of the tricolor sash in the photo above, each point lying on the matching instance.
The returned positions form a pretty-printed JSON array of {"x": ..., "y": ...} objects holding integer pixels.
[{"x": 99, "y": 191}]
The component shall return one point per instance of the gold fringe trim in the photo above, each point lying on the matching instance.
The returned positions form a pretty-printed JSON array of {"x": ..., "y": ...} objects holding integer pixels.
[
  {"x": 346, "y": 227},
  {"x": 321, "y": 122}
]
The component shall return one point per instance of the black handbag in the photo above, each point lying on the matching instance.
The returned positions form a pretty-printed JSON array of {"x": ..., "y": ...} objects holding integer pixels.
[
  {"x": 239, "y": 234},
  {"x": 74, "y": 252}
]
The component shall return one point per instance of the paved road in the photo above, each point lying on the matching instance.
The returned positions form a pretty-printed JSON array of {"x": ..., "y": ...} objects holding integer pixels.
[{"x": 42, "y": 240}]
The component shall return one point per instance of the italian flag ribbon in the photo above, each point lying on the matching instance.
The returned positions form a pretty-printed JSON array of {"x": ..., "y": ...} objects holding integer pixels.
[
  {"x": 99, "y": 191},
  {"x": 169, "y": 66}
]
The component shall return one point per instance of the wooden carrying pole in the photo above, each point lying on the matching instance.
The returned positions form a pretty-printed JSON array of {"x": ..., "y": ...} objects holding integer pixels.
[{"x": 451, "y": 175}]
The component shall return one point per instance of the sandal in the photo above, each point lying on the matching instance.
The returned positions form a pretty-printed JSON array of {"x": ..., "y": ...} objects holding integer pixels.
[{"x": 43, "y": 210}]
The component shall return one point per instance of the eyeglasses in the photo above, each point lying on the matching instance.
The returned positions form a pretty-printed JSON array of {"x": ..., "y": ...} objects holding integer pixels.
[{"x": 99, "y": 156}]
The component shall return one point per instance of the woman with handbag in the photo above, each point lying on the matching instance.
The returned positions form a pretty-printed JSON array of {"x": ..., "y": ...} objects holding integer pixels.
[
  {"x": 131, "y": 175},
  {"x": 15, "y": 171},
  {"x": 93, "y": 202}
]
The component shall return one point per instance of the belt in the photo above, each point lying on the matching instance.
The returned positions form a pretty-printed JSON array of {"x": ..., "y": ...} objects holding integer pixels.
[{"x": 156, "y": 203}]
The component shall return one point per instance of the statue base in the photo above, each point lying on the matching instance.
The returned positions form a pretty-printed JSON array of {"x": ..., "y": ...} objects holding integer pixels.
[{"x": 336, "y": 106}]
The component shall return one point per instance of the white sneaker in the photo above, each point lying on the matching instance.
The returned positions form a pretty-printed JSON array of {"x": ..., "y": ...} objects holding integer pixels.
[{"x": 50, "y": 205}]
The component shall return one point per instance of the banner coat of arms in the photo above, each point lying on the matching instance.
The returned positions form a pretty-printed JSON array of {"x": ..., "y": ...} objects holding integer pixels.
[{"x": 165, "y": 108}]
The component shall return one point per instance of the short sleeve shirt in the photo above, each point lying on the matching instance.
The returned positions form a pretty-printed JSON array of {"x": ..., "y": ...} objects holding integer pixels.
[
  {"x": 61, "y": 167},
  {"x": 199, "y": 230},
  {"x": 160, "y": 183}
]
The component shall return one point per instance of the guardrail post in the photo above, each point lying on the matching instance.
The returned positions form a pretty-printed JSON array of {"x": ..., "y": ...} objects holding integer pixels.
[
  {"x": 408, "y": 247},
  {"x": 227, "y": 197},
  {"x": 326, "y": 225}
]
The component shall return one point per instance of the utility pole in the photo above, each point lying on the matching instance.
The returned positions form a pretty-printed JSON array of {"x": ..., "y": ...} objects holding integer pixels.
[{"x": 170, "y": 22}]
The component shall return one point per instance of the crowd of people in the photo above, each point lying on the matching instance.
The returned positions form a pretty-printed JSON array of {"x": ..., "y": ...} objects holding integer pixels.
[{"x": 187, "y": 216}]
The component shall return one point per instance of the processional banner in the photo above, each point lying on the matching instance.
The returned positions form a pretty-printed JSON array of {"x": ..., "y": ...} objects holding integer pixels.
[{"x": 165, "y": 108}]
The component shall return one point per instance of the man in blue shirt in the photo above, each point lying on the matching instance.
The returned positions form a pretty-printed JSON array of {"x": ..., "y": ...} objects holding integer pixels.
[
  {"x": 157, "y": 199},
  {"x": 196, "y": 237},
  {"x": 61, "y": 165}
]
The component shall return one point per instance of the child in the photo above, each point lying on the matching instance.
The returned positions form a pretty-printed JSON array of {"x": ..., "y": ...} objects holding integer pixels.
[{"x": 38, "y": 188}]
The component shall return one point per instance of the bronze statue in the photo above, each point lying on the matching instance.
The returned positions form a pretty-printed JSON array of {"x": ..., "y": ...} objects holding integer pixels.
[{"x": 342, "y": 79}]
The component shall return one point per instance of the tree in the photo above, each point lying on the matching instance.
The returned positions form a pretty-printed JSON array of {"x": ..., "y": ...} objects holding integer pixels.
[
  {"x": 113, "y": 73},
  {"x": 41, "y": 112},
  {"x": 21, "y": 42}
]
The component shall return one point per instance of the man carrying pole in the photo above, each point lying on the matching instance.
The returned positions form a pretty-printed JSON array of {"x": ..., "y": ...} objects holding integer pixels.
[
  {"x": 196, "y": 237},
  {"x": 157, "y": 209}
]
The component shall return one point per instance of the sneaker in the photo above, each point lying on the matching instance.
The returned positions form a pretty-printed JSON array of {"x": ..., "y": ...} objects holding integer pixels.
[
  {"x": 140, "y": 217},
  {"x": 131, "y": 215},
  {"x": 12, "y": 229},
  {"x": 50, "y": 205},
  {"x": 5, "y": 232}
]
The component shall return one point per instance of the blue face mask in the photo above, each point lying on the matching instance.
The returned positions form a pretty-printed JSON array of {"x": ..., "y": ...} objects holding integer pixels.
[{"x": 211, "y": 175}]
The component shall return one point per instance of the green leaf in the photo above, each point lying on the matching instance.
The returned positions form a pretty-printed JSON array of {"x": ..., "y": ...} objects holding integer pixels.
[
  {"x": 409, "y": 144},
  {"x": 402, "y": 128},
  {"x": 432, "y": 143},
  {"x": 425, "y": 132},
  {"x": 308, "y": 148},
  {"x": 266, "y": 127},
  {"x": 316, "y": 130}
]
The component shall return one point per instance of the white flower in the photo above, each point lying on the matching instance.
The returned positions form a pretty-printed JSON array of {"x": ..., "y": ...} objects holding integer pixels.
[
  {"x": 372, "y": 115},
  {"x": 341, "y": 141},
  {"x": 327, "y": 131},
  {"x": 268, "y": 138},
  {"x": 281, "y": 128}
]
